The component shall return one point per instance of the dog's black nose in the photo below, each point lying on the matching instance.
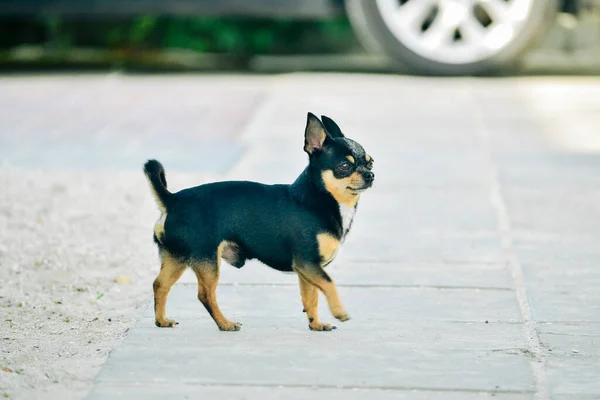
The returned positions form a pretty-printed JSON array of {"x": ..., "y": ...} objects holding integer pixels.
[{"x": 369, "y": 176}]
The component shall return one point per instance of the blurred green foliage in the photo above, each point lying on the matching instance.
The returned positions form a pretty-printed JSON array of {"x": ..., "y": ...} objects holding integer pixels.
[{"x": 201, "y": 34}]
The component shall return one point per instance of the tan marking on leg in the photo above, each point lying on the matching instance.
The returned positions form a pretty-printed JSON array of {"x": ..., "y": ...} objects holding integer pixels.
[
  {"x": 170, "y": 271},
  {"x": 351, "y": 159},
  {"x": 328, "y": 247},
  {"x": 208, "y": 278},
  {"x": 339, "y": 187},
  {"x": 315, "y": 275},
  {"x": 310, "y": 301}
]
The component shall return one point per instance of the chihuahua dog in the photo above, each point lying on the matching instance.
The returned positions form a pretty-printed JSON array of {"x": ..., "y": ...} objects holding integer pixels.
[{"x": 293, "y": 228}]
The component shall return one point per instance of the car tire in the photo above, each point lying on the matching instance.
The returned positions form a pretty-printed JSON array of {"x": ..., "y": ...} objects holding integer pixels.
[{"x": 375, "y": 34}]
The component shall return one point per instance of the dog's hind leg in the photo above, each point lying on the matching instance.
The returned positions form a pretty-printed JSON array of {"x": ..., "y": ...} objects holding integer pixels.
[
  {"x": 170, "y": 271},
  {"x": 207, "y": 273}
]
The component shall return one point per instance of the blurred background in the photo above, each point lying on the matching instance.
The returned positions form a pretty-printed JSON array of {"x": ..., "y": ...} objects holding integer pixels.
[{"x": 440, "y": 37}]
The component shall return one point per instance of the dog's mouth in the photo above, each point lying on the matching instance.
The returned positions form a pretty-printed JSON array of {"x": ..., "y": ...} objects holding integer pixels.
[{"x": 359, "y": 189}]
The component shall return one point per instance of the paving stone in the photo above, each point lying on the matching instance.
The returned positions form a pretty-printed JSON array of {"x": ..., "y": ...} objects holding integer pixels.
[
  {"x": 559, "y": 292},
  {"x": 556, "y": 248},
  {"x": 89, "y": 130},
  {"x": 542, "y": 210},
  {"x": 549, "y": 169},
  {"x": 211, "y": 156},
  {"x": 414, "y": 210},
  {"x": 192, "y": 352},
  {"x": 573, "y": 359},
  {"x": 428, "y": 247}
]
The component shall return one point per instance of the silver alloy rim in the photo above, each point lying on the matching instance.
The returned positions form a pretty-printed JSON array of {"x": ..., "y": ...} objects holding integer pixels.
[{"x": 455, "y": 31}]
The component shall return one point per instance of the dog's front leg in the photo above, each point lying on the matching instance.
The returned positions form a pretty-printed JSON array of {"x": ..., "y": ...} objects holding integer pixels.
[
  {"x": 310, "y": 301},
  {"x": 314, "y": 275}
]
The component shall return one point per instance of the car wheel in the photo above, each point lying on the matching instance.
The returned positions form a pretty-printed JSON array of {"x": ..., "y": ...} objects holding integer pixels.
[{"x": 451, "y": 37}]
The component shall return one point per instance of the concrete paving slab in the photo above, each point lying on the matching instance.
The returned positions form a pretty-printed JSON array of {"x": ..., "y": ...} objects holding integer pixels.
[
  {"x": 489, "y": 353},
  {"x": 428, "y": 247},
  {"x": 559, "y": 292},
  {"x": 417, "y": 210},
  {"x": 451, "y": 170},
  {"x": 554, "y": 248},
  {"x": 541, "y": 210},
  {"x": 87, "y": 129},
  {"x": 341, "y": 97},
  {"x": 573, "y": 358},
  {"x": 549, "y": 169},
  {"x": 212, "y": 156},
  {"x": 515, "y": 134},
  {"x": 440, "y": 133}
]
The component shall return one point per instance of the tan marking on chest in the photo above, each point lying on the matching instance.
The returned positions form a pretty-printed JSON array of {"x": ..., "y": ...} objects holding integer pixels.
[
  {"x": 339, "y": 187},
  {"x": 328, "y": 247}
]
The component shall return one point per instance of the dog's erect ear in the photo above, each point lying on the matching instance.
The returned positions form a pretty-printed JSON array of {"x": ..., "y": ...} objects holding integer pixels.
[
  {"x": 331, "y": 127},
  {"x": 314, "y": 134}
]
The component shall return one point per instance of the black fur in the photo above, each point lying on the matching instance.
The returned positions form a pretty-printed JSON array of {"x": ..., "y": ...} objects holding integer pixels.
[{"x": 156, "y": 175}]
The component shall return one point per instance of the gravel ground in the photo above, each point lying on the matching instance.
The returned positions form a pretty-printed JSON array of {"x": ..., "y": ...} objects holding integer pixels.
[{"x": 76, "y": 265}]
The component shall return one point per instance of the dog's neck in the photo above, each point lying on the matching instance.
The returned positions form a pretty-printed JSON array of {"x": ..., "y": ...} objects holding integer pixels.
[{"x": 309, "y": 190}]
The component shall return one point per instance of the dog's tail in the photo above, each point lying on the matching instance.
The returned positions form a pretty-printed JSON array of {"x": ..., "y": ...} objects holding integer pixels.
[{"x": 155, "y": 173}]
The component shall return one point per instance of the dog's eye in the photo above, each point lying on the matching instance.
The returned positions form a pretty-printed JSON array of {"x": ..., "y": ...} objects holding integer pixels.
[
  {"x": 344, "y": 166},
  {"x": 370, "y": 165}
]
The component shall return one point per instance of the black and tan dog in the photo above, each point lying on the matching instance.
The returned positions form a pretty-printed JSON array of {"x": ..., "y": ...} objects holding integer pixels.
[{"x": 294, "y": 228}]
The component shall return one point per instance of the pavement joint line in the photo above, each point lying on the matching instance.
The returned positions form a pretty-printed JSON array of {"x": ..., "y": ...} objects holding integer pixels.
[
  {"x": 407, "y": 261},
  {"x": 342, "y": 387},
  {"x": 430, "y": 264},
  {"x": 538, "y": 360},
  {"x": 408, "y": 320},
  {"x": 376, "y": 286},
  {"x": 570, "y": 334},
  {"x": 389, "y": 189},
  {"x": 570, "y": 322}
]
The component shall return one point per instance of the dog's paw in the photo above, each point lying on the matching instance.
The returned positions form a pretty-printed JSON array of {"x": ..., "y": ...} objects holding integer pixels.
[
  {"x": 321, "y": 327},
  {"x": 342, "y": 317},
  {"x": 166, "y": 323},
  {"x": 231, "y": 327}
]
